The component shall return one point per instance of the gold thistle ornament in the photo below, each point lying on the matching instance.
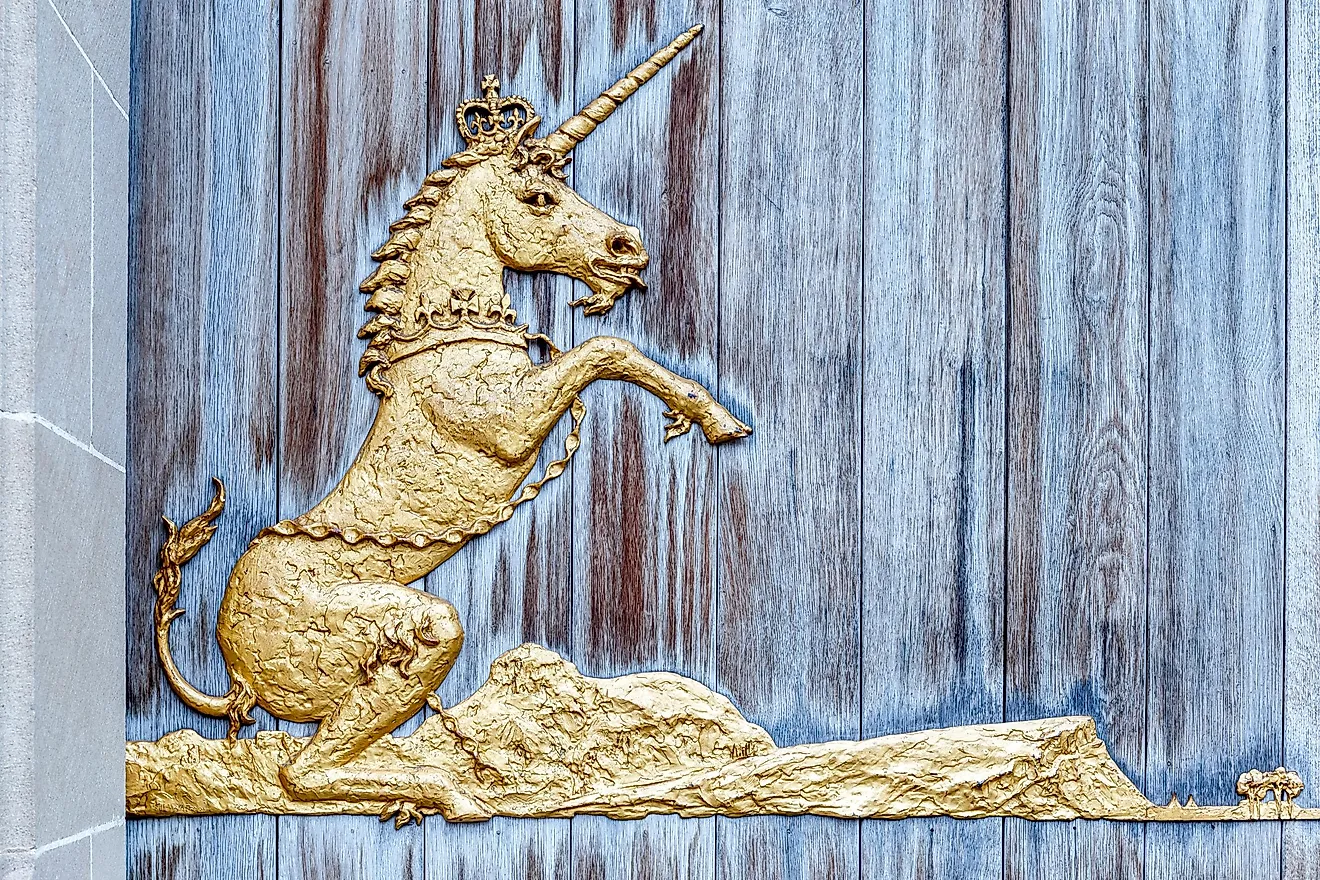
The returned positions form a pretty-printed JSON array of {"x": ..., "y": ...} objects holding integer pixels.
[{"x": 318, "y": 624}]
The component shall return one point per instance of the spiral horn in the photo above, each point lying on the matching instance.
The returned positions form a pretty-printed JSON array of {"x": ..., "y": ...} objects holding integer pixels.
[{"x": 575, "y": 129}]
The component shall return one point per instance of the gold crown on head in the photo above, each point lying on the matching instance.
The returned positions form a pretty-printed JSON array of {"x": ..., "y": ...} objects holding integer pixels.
[{"x": 492, "y": 119}]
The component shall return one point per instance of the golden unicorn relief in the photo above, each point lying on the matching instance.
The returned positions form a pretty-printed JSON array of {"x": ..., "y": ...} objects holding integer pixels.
[{"x": 318, "y": 624}]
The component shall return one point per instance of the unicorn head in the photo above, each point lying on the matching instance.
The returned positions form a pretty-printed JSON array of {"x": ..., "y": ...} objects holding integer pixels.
[
  {"x": 536, "y": 222},
  {"x": 503, "y": 202}
]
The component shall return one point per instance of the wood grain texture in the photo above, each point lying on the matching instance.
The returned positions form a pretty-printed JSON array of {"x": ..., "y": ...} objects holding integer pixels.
[
  {"x": 808, "y": 847},
  {"x": 654, "y": 848},
  {"x": 514, "y": 584},
  {"x": 790, "y": 363},
  {"x": 342, "y": 847},
  {"x": 217, "y": 848},
  {"x": 644, "y": 511},
  {"x": 1049, "y": 850},
  {"x": 959, "y": 501},
  {"x": 525, "y": 849},
  {"x": 353, "y": 149},
  {"x": 1075, "y": 592},
  {"x": 202, "y": 366},
  {"x": 1301, "y": 718},
  {"x": 933, "y": 403},
  {"x": 1217, "y": 412}
]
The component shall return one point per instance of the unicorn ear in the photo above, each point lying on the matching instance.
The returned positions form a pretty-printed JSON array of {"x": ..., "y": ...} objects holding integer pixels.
[{"x": 528, "y": 130}]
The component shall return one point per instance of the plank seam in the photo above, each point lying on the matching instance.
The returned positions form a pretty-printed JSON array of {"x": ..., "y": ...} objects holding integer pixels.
[
  {"x": 569, "y": 58},
  {"x": 424, "y": 845},
  {"x": 716, "y": 567},
  {"x": 1150, "y": 368},
  {"x": 1007, "y": 232},
  {"x": 1287, "y": 373},
  {"x": 861, "y": 421},
  {"x": 278, "y": 382}
]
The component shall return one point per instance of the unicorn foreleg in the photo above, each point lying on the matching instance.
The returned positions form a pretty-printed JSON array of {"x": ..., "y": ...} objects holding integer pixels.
[{"x": 607, "y": 357}]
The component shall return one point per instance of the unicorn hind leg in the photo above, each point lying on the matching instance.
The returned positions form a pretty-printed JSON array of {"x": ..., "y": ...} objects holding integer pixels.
[{"x": 407, "y": 665}]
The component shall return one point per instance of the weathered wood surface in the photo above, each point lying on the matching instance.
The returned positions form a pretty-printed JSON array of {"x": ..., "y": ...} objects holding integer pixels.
[
  {"x": 1075, "y": 591},
  {"x": 932, "y": 457},
  {"x": 202, "y": 386},
  {"x": 1050, "y": 444},
  {"x": 790, "y": 360},
  {"x": 645, "y": 516},
  {"x": 1216, "y": 366},
  {"x": 1301, "y": 646},
  {"x": 353, "y": 148}
]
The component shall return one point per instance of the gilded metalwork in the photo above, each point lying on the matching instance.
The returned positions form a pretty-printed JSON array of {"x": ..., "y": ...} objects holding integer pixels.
[
  {"x": 541, "y": 740},
  {"x": 318, "y": 624}
]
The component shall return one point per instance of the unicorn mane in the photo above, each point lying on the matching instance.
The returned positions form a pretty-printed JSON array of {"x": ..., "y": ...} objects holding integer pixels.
[{"x": 386, "y": 285}]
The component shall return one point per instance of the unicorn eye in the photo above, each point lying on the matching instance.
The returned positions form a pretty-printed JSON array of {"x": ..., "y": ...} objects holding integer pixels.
[{"x": 539, "y": 198}]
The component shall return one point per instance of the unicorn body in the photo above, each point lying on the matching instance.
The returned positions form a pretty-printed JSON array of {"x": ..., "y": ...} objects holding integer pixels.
[{"x": 317, "y": 622}]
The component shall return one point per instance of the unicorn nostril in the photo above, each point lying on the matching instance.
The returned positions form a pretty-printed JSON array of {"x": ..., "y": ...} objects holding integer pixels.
[{"x": 624, "y": 244}]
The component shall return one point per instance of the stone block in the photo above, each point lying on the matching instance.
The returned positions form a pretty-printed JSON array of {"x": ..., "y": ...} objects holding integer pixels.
[
  {"x": 17, "y": 538},
  {"x": 72, "y": 861},
  {"x": 62, "y": 307},
  {"x": 108, "y": 853},
  {"x": 18, "y": 162},
  {"x": 104, "y": 30},
  {"x": 79, "y": 640},
  {"x": 110, "y": 276},
  {"x": 17, "y": 864}
]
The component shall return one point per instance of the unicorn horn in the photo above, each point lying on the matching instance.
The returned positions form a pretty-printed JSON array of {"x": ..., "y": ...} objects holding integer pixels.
[{"x": 575, "y": 129}]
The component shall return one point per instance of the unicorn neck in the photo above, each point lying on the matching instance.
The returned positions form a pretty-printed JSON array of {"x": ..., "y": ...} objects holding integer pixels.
[{"x": 457, "y": 256}]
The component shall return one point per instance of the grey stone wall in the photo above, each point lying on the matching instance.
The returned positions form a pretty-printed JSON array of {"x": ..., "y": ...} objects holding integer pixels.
[{"x": 63, "y": 294}]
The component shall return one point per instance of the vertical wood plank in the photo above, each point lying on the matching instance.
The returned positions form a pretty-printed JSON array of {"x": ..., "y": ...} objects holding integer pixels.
[
  {"x": 933, "y": 408},
  {"x": 1301, "y": 719},
  {"x": 202, "y": 367},
  {"x": 1217, "y": 415},
  {"x": 354, "y": 148},
  {"x": 790, "y": 364},
  {"x": 512, "y": 585},
  {"x": 644, "y": 511},
  {"x": 1077, "y": 419}
]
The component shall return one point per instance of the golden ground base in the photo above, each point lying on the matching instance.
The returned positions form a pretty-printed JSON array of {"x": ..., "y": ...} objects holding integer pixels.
[{"x": 541, "y": 740}]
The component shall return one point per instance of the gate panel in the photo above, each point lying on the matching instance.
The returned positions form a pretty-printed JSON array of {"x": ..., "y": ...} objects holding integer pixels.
[
  {"x": 1001, "y": 289},
  {"x": 1075, "y": 596},
  {"x": 353, "y": 128},
  {"x": 1301, "y": 663},
  {"x": 790, "y": 353},
  {"x": 513, "y": 585},
  {"x": 1217, "y": 397},
  {"x": 933, "y": 403},
  {"x": 204, "y": 171},
  {"x": 645, "y": 514}
]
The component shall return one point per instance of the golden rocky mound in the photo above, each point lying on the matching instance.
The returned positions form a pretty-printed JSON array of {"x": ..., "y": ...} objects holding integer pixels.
[{"x": 541, "y": 739}]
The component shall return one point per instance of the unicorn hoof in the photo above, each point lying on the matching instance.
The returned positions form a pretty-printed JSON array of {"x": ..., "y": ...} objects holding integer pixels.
[{"x": 724, "y": 427}]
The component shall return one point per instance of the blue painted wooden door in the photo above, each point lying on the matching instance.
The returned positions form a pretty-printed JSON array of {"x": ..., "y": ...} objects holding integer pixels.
[{"x": 1022, "y": 299}]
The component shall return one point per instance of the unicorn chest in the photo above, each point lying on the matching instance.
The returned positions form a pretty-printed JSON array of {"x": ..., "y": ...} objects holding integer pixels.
[{"x": 477, "y": 398}]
